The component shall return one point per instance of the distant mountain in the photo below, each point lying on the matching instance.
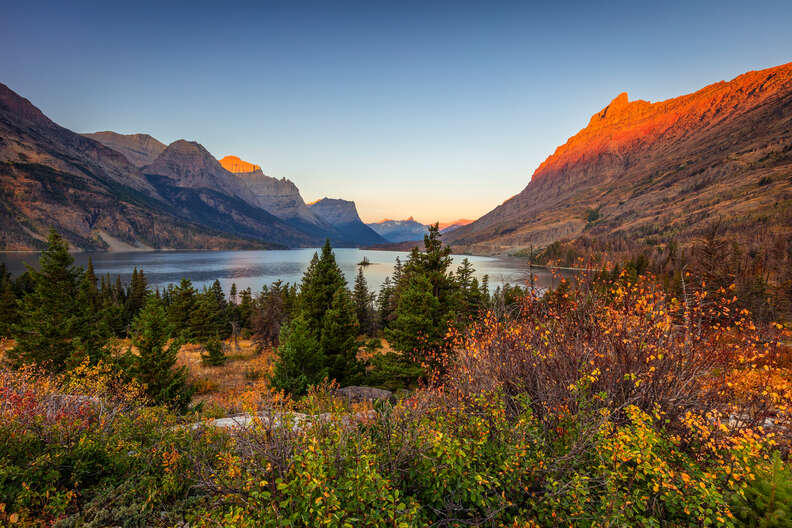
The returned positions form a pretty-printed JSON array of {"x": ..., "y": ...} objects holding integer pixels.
[
  {"x": 139, "y": 149},
  {"x": 343, "y": 215},
  {"x": 399, "y": 230},
  {"x": 647, "y": 173},
  {"x": 93, "y": 195}
]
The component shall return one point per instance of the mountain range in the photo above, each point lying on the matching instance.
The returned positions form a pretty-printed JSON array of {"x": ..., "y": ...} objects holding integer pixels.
[
  {"x": 647, "y": 173},
  {"x": 410, "y": 230},
  {"x": 110, "y": 191}
]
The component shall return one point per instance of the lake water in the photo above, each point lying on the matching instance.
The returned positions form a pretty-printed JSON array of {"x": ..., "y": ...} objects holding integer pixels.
[{"x": 256, "y": 268}]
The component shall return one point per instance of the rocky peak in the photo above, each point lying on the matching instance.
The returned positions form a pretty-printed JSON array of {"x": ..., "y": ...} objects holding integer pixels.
[
  {"x": 625, "y": 126},
  {"x": 236, "y": 165},
  {"x": 335, "y": 211},
  {"x": 189, "y": 164},
  {"x": 139, "y": 149}
]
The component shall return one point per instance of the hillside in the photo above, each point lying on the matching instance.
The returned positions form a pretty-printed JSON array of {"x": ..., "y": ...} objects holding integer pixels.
[
  {"x": 651, "y": 172},
  {"x": 52, "y": 177}
]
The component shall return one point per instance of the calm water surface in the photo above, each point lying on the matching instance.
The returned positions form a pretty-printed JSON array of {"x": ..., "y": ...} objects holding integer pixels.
[{"x": 254, "y": 269}]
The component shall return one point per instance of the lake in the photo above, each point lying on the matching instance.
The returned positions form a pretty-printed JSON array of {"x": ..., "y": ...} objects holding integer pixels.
[{"x": 254, "y": 269}]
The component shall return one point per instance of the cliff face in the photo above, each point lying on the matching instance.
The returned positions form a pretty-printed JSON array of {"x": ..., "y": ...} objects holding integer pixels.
[
  {"x": 279, "y": 197},
  {"x": 343, "y": 216},
  {"x": 664, "y": 169},
  {"x": 139, "y": 149}
]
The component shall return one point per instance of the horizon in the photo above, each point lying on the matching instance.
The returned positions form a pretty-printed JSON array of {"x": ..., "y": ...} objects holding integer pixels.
[{"x": 379, "y": 104}]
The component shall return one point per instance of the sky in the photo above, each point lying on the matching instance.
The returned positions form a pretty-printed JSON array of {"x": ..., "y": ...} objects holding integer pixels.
[{"x": 437, "y": 110}]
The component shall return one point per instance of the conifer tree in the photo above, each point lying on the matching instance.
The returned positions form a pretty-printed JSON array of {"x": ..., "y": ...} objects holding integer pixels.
[
  {"x": 210, "y": 316},
  {"x": 300, "y": 362},
  {"x": 420, "y": 324},
  {"x": 214, "y": 354},
  {"x": 181, "y": 308},
  {"x": 320, "y": 282},
  {"x": 427, "y": 299},
  {"x": 138, "y": 291},
  {"x": 155, "y": 362},
  {"x": 385, "y": 304},
  {"x": 362, "y": 299},
  {"x": 8, "y": 306},
  {"x": 337, "y": 341},
  {"x": 245, "y": 307},
  {"x": 51, "y": 329}
]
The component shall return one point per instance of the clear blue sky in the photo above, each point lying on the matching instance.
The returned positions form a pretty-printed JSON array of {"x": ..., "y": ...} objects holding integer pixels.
[{"x": 439, "y": 110}]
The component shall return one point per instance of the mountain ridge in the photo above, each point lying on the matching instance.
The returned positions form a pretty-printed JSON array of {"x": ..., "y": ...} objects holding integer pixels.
[{"x": 655, "y": 171}]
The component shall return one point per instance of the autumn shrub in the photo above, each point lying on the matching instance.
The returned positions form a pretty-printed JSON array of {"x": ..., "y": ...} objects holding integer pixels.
[
  {"x": 80, "y": 450},
  {"x": 620, "y": 343}
]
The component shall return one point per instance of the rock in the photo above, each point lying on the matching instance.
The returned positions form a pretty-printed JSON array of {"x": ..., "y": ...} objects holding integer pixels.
[{"x": 356, "y": 394}]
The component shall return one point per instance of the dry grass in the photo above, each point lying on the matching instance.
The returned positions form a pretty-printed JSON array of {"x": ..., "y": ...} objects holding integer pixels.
[{"x": 237, "y": 386}]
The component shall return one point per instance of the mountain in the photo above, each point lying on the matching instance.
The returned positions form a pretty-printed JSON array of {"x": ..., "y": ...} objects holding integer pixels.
[
  {"x": 651, "y": 172},
  {"x": 399, "y": 230},
  {"x": 343, "y": 216},
  {"x": 279, "y": 197},
  {"x": 202, "y": 191},
  {"x": 99, "y": 200},
  {"x": 139, "y": 149},
  {"x": 447, "y": 227}
]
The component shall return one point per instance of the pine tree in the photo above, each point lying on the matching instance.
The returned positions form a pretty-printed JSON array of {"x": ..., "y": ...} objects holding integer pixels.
[
  {"x": 320, "y": 282},
  {"x": 420, "y": 324},
  {"x": 181, "y": 308},
  {"x": 8, "y": 306},
  {"x": 154, "y": 365},
  {"x": 385, "y": 305},
  {"x": 210, "y": 316},
  {"x": 138, "y": 291},
  {"x": 427, "y": 299},
  {"x": 214, "y": 354},
  {"x": 245, "y": 307},
  {"x": 51, "y": 330},
  {"x": 362, "y": 299},
  {"x": 300, "y": 362},
  {"x": 338, "y": 339}
]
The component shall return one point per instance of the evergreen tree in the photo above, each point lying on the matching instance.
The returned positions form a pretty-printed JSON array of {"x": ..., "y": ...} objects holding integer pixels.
[
  {"x": 320, "y": 282},
  {"x": 471, "y": 298},
  {"x": 51, "y": 330},
  {"x": 421, "y": 322},
  {"x": 214, "y": 354},
  {"x": 427, "y": 299},
  {"x": 136, "y": 298},
  {"x": 155, "y": 363},
  {"x": 245, "y": 308},
  {"x": 181, "y": 308},
  {"x": 362, "y": 299},
  {"x": 337, "y": 342},
  {"x": 210, "y": 316},
  {"x": 385, "y": 303},
  {"x": 8, "y": 306},
  {"x": 300, "y": 362}
]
